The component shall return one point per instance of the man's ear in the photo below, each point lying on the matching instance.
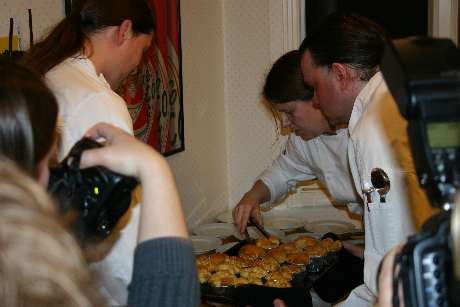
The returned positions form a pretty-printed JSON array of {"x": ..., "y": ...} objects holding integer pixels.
[
  {"x": 124, "y": 32},
  {"x": 342, "y": 73}
]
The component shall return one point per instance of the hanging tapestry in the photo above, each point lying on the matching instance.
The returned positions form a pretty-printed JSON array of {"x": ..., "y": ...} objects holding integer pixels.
[{"x": 153, "y": 92}]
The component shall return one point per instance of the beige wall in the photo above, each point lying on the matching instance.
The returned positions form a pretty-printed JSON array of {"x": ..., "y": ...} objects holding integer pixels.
[
  {"x": 201, "y": 171},
  {"x": 228, "y": 47},
  {"x": 228, "y": 134}
]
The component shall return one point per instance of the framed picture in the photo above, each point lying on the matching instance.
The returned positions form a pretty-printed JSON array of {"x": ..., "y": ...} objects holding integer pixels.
[{"x": 153, "y": 92}]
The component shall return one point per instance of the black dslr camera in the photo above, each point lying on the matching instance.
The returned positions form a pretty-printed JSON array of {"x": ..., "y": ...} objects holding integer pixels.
[
  {"x": 423, "y": 75},
  {"x": 94, "y": 198}
]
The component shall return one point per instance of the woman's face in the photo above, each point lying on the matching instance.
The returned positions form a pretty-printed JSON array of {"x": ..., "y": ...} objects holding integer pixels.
[
  {"x": 136, "y": 47},
  {"x": 302, "y": 119}
]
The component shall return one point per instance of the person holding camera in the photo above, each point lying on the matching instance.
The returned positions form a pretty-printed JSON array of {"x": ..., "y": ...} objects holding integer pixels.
[
  {"x": 41, "y": 262},
  {"x": 83, "y": 60},
  {"x": 340, "y": 61}
]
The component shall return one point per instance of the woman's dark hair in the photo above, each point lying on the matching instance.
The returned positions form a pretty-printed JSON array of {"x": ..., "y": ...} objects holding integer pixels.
[
  {"x": 28, "y": 116},
  {"x": 87, "y": 17},
  {"x": 349, "y": 39},
  {"x": 284, "y": 82}
]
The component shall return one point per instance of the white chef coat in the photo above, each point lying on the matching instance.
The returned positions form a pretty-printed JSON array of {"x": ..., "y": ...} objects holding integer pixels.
[
  {"x": 375, "y": 128},
  {"x": 85, "y": 99},
  {"x": 324, "y": 157}
]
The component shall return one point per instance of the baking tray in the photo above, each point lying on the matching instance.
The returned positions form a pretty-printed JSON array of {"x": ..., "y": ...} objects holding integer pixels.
[
  {"x": 261, "y": 296},
  {"x": 254, "y": 295}
]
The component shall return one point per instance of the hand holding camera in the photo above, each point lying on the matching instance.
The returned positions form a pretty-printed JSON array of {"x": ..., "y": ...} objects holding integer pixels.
[
  {"x": 95, "y": 183},
  {"x": 161, "y": 211}
]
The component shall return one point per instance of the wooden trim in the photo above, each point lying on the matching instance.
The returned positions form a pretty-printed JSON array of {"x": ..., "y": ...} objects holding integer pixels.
[{"x": 291, "y": 24}]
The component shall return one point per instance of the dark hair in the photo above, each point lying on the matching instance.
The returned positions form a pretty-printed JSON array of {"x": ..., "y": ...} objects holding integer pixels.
[
  {"x": 284, "y": 82},
  {"x": 87, "y": 17},
  {"x": 349, "y": 39},
  {"x": 28, "y": 116}
]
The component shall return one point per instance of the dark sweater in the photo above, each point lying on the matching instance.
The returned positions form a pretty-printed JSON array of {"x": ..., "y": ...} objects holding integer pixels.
[{"x": 164, "y": 274}]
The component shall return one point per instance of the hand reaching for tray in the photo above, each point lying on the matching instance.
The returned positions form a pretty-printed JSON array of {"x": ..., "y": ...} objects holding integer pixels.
[{"x": 278, "y": 303}]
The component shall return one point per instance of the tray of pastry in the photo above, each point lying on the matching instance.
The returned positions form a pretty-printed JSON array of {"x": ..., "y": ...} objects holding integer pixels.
[{"x": 258, "y": 272}]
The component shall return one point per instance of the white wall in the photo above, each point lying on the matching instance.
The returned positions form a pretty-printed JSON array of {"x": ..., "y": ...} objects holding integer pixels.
[{"x": 45, "y": 14}]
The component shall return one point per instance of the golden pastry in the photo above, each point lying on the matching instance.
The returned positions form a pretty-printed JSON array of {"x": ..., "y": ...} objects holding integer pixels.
[
  {"x": 331, "y": 245},
  {"x": 316, "y": 251},
  {"x": 278, "y": 254},
  {"x": 305, "y": 241},
  {"x": 267, "y": 263},
  {"x": 217, "y": 258},
  {"x": 290, "y": 248},
  {"x": 253, "y": 273},
  {"x": 299, "y": 258},
  {"x": 222, "y": 279},
  {"x": 234, "y": 269},
  {"x": 203, "y": 274},
  {"x": 238, "y": 262},
  {"x": 251, "y": 251},
  {"x": 289, "y": 270},
  {"x": 202, "y": 260},
  {"x": 268, "y": 243},
  {"x": 277, "y": 280}
]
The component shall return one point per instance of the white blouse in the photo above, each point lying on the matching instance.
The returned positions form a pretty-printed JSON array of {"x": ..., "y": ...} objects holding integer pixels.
[{"x": 85, "y": 99}]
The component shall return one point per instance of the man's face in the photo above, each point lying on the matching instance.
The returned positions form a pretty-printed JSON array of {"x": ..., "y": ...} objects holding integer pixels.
[
  {"x": 302, "y": 119},
  {"x": 327, "y": 96}
]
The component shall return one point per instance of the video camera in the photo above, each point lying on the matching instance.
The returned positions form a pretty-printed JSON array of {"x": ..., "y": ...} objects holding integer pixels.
[
  {"x": 94, "y": 199},
  {"x": 423, "y": 75}
]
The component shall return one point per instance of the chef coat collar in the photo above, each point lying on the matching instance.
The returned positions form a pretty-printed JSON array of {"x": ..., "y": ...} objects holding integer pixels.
[{"x": 362, "y": 100}]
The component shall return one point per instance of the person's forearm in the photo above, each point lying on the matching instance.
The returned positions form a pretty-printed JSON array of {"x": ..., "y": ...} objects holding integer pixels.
[
  {"x": 259, "y": 193},
  {"x": 161, "y": 212}
]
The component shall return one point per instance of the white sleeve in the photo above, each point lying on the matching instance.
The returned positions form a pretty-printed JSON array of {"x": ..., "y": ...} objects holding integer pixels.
[
  {"x": 291, "y": 166},
  {"x": 95, "y": 108}
]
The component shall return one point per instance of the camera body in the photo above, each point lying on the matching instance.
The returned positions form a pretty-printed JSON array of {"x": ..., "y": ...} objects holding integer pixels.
[
  {"x": 425, "y": 265},
  {"x": 94, "y": 198},
  {"x": 423, "y": 75}
]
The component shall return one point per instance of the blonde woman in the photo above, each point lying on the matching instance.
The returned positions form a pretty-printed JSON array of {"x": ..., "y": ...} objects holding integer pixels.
[{"x": 40, "y": 263}]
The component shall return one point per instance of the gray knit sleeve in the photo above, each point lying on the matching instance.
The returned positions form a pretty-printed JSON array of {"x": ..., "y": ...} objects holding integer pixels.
[{"x": 164, "y": 274}]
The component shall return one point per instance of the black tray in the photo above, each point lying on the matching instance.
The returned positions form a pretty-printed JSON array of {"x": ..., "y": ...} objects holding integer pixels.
[
  {"x": 254, "y": 295},
  {"x": 261, "y": 296}
]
